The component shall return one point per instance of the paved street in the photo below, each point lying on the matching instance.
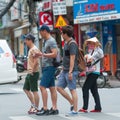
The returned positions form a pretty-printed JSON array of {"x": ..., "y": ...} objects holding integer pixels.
[{"x": 14, "y": 105}]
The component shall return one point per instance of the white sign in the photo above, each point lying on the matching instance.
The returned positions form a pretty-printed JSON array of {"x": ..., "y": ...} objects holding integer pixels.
[
  {"x": 15, "y": 14},
  {"x": 59, "y": 7},
  {"x": 69, "y": 2}
]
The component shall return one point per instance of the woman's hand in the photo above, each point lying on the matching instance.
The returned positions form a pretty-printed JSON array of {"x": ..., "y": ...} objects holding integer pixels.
[
  {"x": 86, "y": 57},
  {"x": 90, "y": 60}
]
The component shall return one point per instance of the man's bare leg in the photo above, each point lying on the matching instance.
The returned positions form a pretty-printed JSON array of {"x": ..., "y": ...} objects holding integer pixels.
[
  {"x": 75, "y": 99},
  {"x": 65, "y": 95},
  {"x": 54, "y": 97},
  {"x": 36, "y": 98},
  {"x": 44, "y": 97}
]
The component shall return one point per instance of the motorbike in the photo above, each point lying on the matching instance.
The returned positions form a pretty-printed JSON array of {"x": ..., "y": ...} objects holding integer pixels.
[
  {"x": 117, "y": 73},
  {"x": 101, "y": 81},
  {"x": 21, "y": 63}
]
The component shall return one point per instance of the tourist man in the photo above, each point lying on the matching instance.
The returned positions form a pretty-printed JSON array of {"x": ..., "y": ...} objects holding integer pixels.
[
  {"x": 49, "y": 52},
  {"x": 70, "y": 69},
  {"x": 31, "y": 81}
]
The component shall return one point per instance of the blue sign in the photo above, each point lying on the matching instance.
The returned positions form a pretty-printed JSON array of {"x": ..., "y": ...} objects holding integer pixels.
[{"x": 86, "y": 11}]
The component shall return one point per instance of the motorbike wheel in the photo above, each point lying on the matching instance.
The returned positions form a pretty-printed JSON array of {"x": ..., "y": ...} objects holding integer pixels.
[
  {"x": 20, "y": 68},
  {"x": 101, "y": 81},
  {"x": 117, "y": 74},
  {"x": 81, "y": 81}
]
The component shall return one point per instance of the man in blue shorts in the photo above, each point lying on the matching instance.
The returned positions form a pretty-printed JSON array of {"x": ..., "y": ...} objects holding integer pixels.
[
  {"x": 48, "y": 71},
  {"x": 69, "y": 74}
]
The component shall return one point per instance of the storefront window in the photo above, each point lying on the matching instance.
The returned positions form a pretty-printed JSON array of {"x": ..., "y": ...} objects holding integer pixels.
[{"x": 89, "y": 31}]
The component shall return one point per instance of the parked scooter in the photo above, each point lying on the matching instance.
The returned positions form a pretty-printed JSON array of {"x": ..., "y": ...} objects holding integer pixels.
[
  {"x": 117, "y": 74},
  {"x": 101, "y": 81},
  {"x": 21, "y": 63}
]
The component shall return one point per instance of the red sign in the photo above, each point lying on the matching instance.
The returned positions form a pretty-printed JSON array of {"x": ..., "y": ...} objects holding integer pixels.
[
  {"x": 47, "y": 5},
  {"x": 95, "y": 7},
  {"x": 46, "y": 18}
]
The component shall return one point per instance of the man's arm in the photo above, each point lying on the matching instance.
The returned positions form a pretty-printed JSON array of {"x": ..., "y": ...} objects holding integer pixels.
[
  {"x": 53, "y": 53},
  {"x": 35, "y": 63},
  {"x": 72, "y": 61}
]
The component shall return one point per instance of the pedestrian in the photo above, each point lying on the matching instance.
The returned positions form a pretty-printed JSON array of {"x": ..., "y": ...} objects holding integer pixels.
[
  {"x": 70, "y": 70},
  {"x": 95, "y": 53},
  {"x": 49, "y": 52},
  {"x": 31, "y": 81}
]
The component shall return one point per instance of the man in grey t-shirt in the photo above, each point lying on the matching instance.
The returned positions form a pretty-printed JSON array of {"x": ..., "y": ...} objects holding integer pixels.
[
  {"x": 69, "y": 74},
  {"x": 49, "y": 52},
  {"x": 47, "y": 46},
  {"x": 69, "y": 49}
]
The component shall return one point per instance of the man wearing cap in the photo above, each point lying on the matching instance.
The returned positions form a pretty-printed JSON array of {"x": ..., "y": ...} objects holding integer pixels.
[
  {"x": 49, "y": 50},
  {"x": 31, "y": 81}
]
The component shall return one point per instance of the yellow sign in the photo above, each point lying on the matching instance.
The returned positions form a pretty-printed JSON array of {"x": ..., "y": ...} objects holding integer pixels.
[{"x": 60, "y": 22}]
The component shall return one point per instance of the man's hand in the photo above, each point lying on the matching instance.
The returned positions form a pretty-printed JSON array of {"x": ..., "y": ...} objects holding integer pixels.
[
  {"x": 70, "y": 76},
  {"x": 39, "y": 54}
]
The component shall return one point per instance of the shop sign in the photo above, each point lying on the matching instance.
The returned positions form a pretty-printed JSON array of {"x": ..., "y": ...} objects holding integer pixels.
[
  {"x": 15, "y": 12},
  {"x": 86, "y": 11},
  {"x": 60, "y": 22},
  {"x": 47, "y": 5},
  {"x": 59, "y": 7},
  {"x": 46, "y": 18}
]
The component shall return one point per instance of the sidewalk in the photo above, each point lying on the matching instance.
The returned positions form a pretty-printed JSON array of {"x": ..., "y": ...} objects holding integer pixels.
[{"x": 114, "y": 83}]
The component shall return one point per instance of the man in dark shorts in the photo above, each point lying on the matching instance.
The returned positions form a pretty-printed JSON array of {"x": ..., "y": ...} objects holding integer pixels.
[
  {"x": 31, "y": 81},
  {"x": 48, "y": 71}
]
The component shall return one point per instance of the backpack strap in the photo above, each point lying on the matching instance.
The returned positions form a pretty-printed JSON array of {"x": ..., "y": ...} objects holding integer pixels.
[{"x": 72, "y": 41}]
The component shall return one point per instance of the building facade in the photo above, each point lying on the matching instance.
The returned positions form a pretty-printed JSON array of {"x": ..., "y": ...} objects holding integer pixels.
[{"x": 100, "y": 19}]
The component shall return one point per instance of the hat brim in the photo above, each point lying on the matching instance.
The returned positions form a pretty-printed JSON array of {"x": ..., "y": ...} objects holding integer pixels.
[{"x": 94, "y": 39}]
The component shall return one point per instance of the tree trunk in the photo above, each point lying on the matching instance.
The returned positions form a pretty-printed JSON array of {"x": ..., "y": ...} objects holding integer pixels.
[{"x": 9, "y": 5}]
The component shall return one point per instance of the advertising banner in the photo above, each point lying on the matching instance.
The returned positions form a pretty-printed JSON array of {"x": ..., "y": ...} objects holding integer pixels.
[{"x": 86, "y": 11}]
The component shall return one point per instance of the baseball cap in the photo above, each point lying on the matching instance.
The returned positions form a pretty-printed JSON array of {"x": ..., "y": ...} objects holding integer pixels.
[
  {"x": 30, "y": 36},
  {"x": 44, "y": 27}
]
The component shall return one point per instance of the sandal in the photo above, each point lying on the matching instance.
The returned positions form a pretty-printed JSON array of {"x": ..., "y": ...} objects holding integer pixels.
[{"x": 32, "y": 110}]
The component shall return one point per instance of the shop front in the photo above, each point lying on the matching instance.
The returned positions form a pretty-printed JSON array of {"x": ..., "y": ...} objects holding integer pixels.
[
  {"x": 100, "y": 19},
  {"x": 20, "y": 47}
]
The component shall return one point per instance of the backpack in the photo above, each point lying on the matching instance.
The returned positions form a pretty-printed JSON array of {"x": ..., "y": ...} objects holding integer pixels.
[
  {"x": 57, "y": 60},
  {"x": 80, "y": 57}
]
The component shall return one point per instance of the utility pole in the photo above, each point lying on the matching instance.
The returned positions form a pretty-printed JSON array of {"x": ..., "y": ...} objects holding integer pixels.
[{"x": 32, "y": 14}]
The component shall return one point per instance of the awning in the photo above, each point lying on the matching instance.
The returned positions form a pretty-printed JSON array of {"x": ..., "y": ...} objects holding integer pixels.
[
  {"x": 23, "y": 26},
  {"x": 19, "y": 31},
  {"x": 11, "y": 25}
]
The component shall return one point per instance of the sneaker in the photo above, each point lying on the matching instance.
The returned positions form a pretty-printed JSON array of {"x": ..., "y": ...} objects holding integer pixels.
[
  {"x": 43, "y": 112},
  {"x": 95, "y": 111},
  {"x": 72, "y": 113},
  {"x": 53, "y": 112},
  {"x": 83, "y": 110},
  {"x": 71, "y": 108},
  {"x": 41, "y": 109}
]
